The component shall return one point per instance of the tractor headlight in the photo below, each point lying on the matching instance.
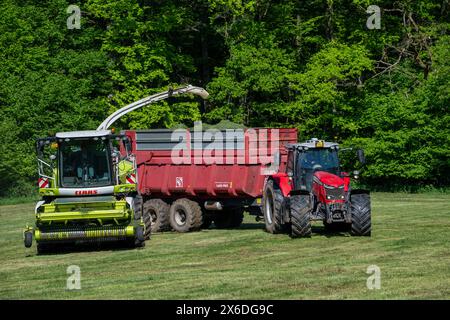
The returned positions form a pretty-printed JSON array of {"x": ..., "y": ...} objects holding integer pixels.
[{"x": 329, "y": 197}]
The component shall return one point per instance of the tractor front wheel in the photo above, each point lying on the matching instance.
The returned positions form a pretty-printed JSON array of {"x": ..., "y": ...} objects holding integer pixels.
[
  {"x": 361, "y": 214},
  {"x": 300, "y": 216}
]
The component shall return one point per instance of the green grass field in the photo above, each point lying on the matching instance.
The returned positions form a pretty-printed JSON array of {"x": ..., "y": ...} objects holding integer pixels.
[{"x": 410, "y": 244}]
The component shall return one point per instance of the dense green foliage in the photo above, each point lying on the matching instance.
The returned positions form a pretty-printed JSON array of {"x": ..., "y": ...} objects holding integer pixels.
[{"x": 313, "y": 65}]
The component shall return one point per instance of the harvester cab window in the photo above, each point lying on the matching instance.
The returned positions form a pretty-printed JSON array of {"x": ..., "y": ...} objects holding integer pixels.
[
  {"x": 85, "y": 163},
  {"x": 316, "y": 159}
]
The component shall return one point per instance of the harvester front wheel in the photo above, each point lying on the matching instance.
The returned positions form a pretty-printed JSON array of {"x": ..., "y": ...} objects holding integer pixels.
[
  {"x": 156, "y": 216},
  {"x": 361, "y": 214},
  {"x": 185, "y": 215},
  {"x": 28, "y": 239},
  {"x": 140, "y": 235},
  {"x": 272, "y": 207},
  {"x": 300, "y": 216}
]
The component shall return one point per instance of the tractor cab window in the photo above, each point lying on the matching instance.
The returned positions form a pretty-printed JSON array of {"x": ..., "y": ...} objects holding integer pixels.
[
  {"x": 85, "y": 163},
  {"x": 312, "y": 160}
]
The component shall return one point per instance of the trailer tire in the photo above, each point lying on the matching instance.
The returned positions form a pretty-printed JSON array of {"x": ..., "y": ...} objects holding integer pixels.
[
  {"x": 156, "y": 215},
  {"x": 300, "y": 216},
  {"x": 361, "y": 214},
  {"x": 229, "y": 218},
  {"x": 273, "y": 207},
  {"x": 185, "y": 215}
]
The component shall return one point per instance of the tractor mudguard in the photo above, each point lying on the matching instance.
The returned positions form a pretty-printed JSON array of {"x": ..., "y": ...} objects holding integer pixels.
[{"x": 282, "y": 180}]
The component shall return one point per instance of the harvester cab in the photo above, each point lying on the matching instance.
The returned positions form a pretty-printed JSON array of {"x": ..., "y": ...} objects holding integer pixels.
[
  {"x": 314, "y": 187},
  {"x": 88, "y": 190},
  {"x": 88, "y": 184}
]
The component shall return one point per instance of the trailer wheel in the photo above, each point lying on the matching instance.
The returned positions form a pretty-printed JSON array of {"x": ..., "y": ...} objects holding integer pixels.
[
  {"x": 185, "y": 215},
  {"x": 229, "y": 218},
  {"x": 272, "y": 207},
  {"x": 156, "y": 215},
  {"x": 300, "y": 216},
  {"x": 361, "y": 214}
]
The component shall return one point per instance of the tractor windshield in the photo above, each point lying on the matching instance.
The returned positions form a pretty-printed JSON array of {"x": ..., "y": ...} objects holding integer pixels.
[
  {"x": 85, "y": 163},
  {"x": 317, "y": 159}
]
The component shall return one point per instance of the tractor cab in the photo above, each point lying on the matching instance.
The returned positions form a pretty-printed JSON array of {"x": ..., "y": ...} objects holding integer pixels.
[{"x": 314, "y": 158}]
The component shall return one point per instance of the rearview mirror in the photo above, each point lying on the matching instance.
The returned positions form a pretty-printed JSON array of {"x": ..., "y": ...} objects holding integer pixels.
[
  {"x": 361, "y": 156},
  {"x": 127, "y": 144}
]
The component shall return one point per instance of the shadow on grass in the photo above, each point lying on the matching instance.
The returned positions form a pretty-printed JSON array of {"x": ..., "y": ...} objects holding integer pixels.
[
  {"x": 330, "y": 233},
  {"x": 65, "y": 248}
]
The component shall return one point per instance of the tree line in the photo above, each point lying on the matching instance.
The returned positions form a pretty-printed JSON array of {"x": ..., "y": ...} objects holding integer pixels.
[{"x": 316, "y": 65}]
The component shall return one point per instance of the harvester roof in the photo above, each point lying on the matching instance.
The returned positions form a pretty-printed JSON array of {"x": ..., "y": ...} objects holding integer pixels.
[{"x": 83, "y": 134}]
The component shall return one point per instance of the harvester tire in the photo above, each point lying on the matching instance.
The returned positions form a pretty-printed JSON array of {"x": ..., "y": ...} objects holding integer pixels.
[
  {"x": 156, "y": 216},
  {"x": 300, "y": 216},
  {"x": 28, "y": 239},
  {"x": 273, "y": 207},
  {"x": 229, "y": 218},
  {"x": 361, "y": 214},
  {"x": 139, "y": 240},
  {"x": 185, "y": 215}
]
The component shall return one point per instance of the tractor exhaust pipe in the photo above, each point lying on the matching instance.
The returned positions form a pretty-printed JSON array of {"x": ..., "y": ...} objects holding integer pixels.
[{"x": 213, "y": 205}]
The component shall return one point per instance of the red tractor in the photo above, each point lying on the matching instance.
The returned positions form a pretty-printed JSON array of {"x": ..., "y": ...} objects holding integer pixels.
[{"x": 313, "y": 187}]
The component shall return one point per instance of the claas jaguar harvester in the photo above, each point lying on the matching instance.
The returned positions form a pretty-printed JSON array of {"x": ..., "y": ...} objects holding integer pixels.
[
  {"x": 88, "y": 185},
  {"x": 311, "y": 187}
]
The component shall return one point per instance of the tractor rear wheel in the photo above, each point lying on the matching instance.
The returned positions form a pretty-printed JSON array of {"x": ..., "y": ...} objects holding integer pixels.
[
  {"x": 185, "y": 215},
  {"x": 156, "y": 216},
  {"x": 300, "y": 216},
  {"x": 272, "y": 207},
  {"x": 361, "y": 214},
  {"x": 229, "y": 218}
]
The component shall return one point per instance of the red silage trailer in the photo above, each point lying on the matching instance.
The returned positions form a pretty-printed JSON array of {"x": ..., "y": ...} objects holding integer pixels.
[{"x": 189, "y": 179}]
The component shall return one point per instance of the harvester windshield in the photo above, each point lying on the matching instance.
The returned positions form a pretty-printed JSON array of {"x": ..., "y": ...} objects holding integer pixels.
[{"x": 85, "y": 163}]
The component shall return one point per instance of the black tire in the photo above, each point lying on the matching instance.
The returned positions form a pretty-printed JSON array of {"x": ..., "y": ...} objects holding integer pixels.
[
  {"x": 141, "y": 234},
  {"x": 28, "y": 239},
  {"x": 361, "y": 214},
  {"x": 300, "y": 212},
  {"x": 156, "y": 216},
  {"x": 185, "y": 215},
  {"x": 229, "y": 218},
  {"x": 45, "y": 248},
  {"x": 272, "y": 207},
  {"x": 139, "y": 240}
]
